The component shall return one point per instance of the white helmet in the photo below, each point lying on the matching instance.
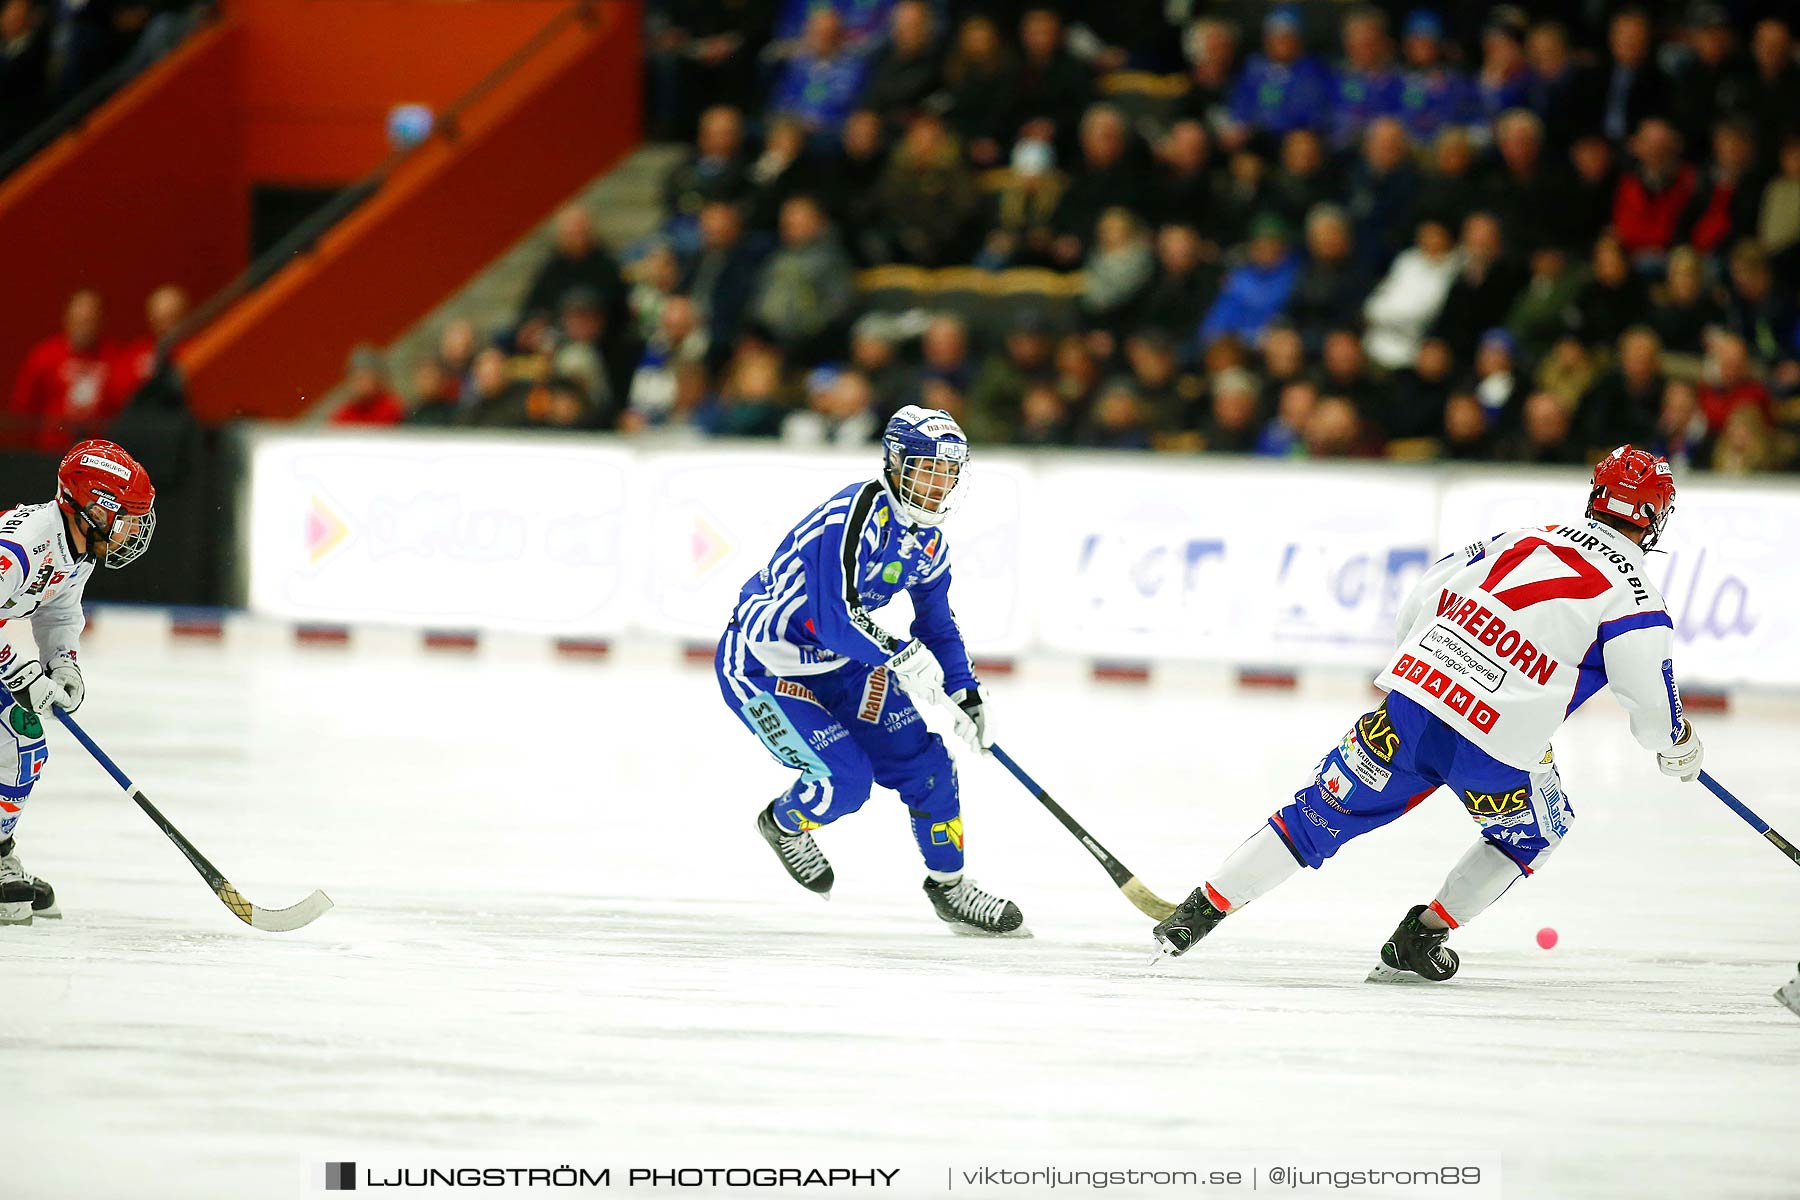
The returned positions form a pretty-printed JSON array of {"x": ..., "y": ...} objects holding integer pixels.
[{"x": 926, "y": 451}]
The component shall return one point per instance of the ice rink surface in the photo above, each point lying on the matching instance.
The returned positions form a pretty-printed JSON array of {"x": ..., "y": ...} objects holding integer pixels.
[{"x": 559, "y": 939}]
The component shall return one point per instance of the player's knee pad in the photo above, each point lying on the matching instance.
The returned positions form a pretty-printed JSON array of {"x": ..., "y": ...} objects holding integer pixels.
[{"x": 819, "y": 800}]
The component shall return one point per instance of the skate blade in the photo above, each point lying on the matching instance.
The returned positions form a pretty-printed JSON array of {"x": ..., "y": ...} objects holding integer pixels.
[
  {"x": 1386, "y": 974},
  {"x": 961, "y": 930},
  {"x": 1788, "y": 995}
]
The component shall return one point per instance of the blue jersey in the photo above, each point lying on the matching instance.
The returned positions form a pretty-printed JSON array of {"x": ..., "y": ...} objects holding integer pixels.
[
  {"x": 1278, "y": 98},
  {"x": 1433, "y": 99},
  {"x": 807, "y": 612},
  {"x": 1359, "y": 98}
]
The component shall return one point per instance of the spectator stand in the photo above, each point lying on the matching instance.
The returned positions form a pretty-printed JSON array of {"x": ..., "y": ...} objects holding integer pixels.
[
  {"x": 1433, "y": 151},
  {"x": 624, "y": 211}
]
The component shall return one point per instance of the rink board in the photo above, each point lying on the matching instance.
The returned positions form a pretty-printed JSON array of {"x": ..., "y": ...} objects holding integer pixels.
[{"x": 1123, "y": 557}]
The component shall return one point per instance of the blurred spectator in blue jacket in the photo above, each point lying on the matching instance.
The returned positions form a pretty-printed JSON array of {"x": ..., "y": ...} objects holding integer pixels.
[
  {"x": 1433, "y": 94},
  {"x": 1282, "y": 88},
  {"x": 1504, "y": 81},
  {"x": 863, "y": 21},
  {"x": 820, "y": 84},
  {"x": 1368, "y": 85},
  {"x": 1256, "y": 291}
]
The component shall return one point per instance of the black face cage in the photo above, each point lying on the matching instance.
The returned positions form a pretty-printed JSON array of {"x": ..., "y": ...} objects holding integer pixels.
[
  {"x": 1653, "y": 530},
  {"x": 898, "y": 463},
  {"x": 128, "y": 549}
]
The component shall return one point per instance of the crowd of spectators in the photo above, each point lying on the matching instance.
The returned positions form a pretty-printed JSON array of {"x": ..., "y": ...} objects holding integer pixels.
[
  {"x": 51, "y": 50},
  {"x": 1486, "y": 232},
  {"x": 74, "y": 384}
]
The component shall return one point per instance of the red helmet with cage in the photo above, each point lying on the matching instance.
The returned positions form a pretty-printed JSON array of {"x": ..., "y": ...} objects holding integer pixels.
[
  {"x": 108, "y": 494},
  {"x": 1636, "y": 487}
]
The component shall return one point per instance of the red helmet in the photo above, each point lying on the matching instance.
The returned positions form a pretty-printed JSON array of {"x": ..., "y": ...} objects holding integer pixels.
[
  {"x": 1636, "y": 487},
  {"x": 109, "y": 494}
]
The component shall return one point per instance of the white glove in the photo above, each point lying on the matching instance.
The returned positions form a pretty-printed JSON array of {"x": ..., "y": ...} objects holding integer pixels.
[
  {"x": 970, "y": 715},
  {"x": 917, "y": 672},
  {"x": 35, "y": 690},
  {"x": 69, "y": 675},
  {"x": 1682, "y": 759}
]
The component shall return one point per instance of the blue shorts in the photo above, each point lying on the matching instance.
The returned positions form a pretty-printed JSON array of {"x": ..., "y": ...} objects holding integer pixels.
[{"x": 1397, "y": 755}]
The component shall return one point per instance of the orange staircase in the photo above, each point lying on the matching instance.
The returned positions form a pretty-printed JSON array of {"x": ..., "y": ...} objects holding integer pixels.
[{"x": 156, "y": 187}]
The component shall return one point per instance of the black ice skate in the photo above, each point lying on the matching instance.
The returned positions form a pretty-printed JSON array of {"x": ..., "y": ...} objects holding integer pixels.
[
  {"x": 23, "y": 896},
  {"x": 968, "y": 909},
  {"x": 798, "y": 853},
  {"x": 1416, "y": 950},
  {"x": 1192, "y": 920}
]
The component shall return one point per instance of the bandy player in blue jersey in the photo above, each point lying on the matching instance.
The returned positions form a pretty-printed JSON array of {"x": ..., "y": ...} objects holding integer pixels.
[
  {"x": 834, "y": 696},
  {"x": 1499, "y": 644}
]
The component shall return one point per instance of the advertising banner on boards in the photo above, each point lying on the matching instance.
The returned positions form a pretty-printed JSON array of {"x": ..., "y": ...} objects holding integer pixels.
[{"x": 1114, "y": 556}]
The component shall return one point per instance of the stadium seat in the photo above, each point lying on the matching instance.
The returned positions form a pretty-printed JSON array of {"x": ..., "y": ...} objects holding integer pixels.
[
  {"x": 894, "y": 289},
  {"x": 1141, "y": 95},
  {"x": 1054, "y": 293}
]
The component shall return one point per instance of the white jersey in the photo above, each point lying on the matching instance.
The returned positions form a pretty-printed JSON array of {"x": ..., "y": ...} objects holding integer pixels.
[
  {"x": 40, "y": 581},
  {"x": 1506, "y": 638}
]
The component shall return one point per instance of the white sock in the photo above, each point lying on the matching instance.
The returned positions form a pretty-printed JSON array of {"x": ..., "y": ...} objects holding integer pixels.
[
  {"x": 1255, "y": 867},
  {"x": 1478, "y": 879},
  {"x": 945, "y": 877}
]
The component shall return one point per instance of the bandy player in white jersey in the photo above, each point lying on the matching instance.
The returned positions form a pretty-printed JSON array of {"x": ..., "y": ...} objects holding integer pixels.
[
  {"x": 1498, "y": 644},
  {"x": 103, "y": 515}
]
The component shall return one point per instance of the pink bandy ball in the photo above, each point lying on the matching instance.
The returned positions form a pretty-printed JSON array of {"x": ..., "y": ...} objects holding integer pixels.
[{"x": 1546, "y": 937}]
